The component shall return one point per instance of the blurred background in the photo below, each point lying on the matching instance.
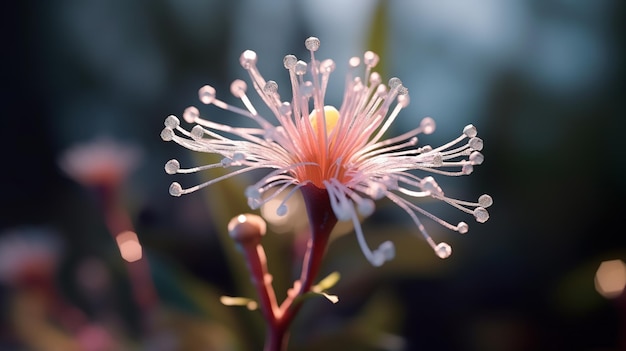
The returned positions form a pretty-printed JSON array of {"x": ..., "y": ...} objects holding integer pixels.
[{"x": 542, "y": 80}]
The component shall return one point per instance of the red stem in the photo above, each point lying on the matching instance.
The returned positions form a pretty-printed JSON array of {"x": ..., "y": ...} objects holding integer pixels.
[{"x": 278, "y": 318}]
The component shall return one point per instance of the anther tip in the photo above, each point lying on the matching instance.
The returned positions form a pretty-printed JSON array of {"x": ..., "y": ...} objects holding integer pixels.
[
  {"x": 470, "y": 131},
  {"x": 206, "y": 94},
  {"x": 172, "y": 166},
  {"x": 190, "y": 114},
  {"x": 312, "y": 43},
  {"x": 443, "y": 250},
  {"x": 247, "y": 59},
  {"x": 176, "y": 189},
  {"x": 167, "y": 134},
  {"x": 481, "y": 214},
  {"x": 247, "y": 229},
  {"x": 462, "y": 227}
]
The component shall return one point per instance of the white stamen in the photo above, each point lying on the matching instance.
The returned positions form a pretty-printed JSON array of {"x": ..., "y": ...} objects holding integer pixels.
[{"x": 356, "y": 162}]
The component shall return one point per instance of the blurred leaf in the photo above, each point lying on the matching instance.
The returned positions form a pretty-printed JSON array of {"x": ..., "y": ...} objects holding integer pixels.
[
  {"x": 378, "y": 34},
  {"x": 328, "y": 282},
  {"x": 179, "y": 289}
]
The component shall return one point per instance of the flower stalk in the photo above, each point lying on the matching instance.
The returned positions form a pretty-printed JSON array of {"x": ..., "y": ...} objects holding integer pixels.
[{"x": 247, "y": 231}]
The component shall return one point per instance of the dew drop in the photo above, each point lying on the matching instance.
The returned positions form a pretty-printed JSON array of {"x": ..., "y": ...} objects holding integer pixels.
[
  {"x": 206, "y": 94},
  {"x": 443, "y": 250},
  {"x": 172, "y": 166}
]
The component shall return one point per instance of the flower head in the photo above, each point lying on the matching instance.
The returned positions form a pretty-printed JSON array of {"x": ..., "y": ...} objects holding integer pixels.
[
  {"x": 340, "y": 150},
  {"x": 100, "y": 162}
]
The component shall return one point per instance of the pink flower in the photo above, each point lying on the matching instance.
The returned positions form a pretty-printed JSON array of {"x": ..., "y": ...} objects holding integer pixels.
[
  {"x": 342, "y": 151},
  {"x": 100, "y": 162}
]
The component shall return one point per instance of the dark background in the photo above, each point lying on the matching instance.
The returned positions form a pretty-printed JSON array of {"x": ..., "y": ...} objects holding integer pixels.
[{"x": 544, "y": 86}]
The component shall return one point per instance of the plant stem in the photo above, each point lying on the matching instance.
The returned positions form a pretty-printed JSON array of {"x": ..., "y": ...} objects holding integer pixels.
[{"x": 278, "y": 318}]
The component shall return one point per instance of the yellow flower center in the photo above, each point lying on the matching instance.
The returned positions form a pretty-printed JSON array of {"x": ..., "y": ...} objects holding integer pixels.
[{"x": 331, "y": 116}]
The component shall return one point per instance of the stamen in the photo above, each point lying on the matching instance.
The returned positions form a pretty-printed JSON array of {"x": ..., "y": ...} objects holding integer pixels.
[
  {"x": 312, "y": 44},
  {"x": 190, "y": 114},
  {"x": 206, "y": 94},
  {"x": 341, "y": 150}
]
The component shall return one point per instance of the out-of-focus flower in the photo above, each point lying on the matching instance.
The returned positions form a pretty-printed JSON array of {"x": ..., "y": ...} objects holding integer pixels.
[
  {"x": 342, "y": 151},
  {"x": 100, "y": 162},
  {"x": 28, "y": 253}
]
